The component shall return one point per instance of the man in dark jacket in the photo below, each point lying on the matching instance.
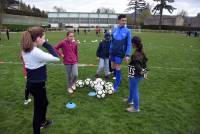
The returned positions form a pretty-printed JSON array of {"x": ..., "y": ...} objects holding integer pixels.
[
  {"x": 7, "y": 33},
  {"x": 103, "y": 56}
]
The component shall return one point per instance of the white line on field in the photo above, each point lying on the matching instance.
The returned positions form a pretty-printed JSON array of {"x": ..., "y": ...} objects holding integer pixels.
[
  {"x": 94, "y": 65},
  {"x": 17, "y": 44}
]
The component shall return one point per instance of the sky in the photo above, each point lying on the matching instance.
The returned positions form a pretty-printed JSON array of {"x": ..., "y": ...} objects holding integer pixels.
[{"x": 192, "y": 7}]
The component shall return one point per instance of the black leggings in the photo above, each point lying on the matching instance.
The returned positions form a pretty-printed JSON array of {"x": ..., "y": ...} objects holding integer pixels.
[
  {"x": 26, "y": 92},
  {"x": 38, "y": 91}
]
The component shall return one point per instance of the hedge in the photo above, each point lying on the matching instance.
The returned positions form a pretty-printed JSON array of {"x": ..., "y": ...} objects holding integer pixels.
[
  {"x": 175, "y": 28},
  {"x": 16, "y": 28}
]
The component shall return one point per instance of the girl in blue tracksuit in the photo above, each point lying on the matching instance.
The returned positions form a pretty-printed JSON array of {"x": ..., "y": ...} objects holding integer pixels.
[
  {"x": 103, "y": 55},
  {"x": 35, "y": 63},
  {"x": 137, "y": 70}
]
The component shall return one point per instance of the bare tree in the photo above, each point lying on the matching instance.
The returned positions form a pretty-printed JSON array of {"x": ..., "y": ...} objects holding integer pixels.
[
  {"x": 183, "y": 13},
  {"x": 59, "y": 9},
  {"x": 105, "y": 10},
  {"x": 144, "y": 14},
  {"x": 137, "y": 6}
]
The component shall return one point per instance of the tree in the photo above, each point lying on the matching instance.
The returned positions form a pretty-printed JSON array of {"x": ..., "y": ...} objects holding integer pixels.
[
  {"x": 137, "y": 6},
  {"x": 183, "y": 13},
  {"x": 198, "y": 14},
  {"x": 105, "y": 10},
  {"x": 59, "y": 9},
  {"x": 163, "y": 5},
  {"x": 25, "y": 8},
  {"x": 144, "y": 14},
  {"x": 3, "y": 6}
]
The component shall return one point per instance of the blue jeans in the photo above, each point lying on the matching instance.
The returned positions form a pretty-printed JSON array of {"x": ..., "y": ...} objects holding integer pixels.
[{"x": 134, "y": 91}]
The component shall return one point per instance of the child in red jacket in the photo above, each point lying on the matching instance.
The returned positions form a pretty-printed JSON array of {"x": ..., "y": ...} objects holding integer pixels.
[{"x": 70, "y": 59}]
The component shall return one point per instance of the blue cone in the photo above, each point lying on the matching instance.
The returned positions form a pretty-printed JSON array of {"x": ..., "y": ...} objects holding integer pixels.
[
  {"x": 92, "y": 94},
  {"x": 70, "y": 105}
]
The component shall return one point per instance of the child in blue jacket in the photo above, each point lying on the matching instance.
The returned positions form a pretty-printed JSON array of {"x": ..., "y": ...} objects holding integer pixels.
[{"x": 103, "y": 55}]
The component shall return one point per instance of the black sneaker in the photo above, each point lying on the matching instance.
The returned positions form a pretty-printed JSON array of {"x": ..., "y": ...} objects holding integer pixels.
[
  {"x": 107, "y": 77},
  {"x": 46, "y": 124},
  {"x": 96, "y": 76}
]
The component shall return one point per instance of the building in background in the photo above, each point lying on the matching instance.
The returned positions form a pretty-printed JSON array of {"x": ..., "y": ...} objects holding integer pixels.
[
  {"x": 80, "y": 19},
  {"x": 193, "y": 21},
  {"x": 166, "y": 20}
]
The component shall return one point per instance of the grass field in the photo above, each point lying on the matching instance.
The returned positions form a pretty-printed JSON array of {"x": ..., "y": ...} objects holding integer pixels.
[{"x": 169, "y": 99}]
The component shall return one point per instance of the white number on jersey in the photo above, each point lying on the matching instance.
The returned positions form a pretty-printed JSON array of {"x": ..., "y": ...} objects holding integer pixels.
[{"x": 131, "y": 71}]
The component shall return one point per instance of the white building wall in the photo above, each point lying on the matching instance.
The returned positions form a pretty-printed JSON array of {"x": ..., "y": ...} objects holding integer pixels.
[{"x": 76, "y": 19}]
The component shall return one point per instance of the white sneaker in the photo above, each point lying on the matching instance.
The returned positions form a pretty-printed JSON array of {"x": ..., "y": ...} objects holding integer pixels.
[
  {"x": 74, "y": 87},
  {"x": 70, "y": 90},
  {"x": 132, "y": 109},
  {"x": 27, "y": 101},
  {"x": 126, "y": 100},
  {"x": 114, "y": 78}
]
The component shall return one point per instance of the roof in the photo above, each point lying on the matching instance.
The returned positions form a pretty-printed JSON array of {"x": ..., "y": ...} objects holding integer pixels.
[{"x": 164, "y": 17}]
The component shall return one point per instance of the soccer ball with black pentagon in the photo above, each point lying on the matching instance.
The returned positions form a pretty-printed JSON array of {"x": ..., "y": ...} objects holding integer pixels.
[
  {"x": 79, "y": 83},
  {"x": 87, "y": 81},
  {"x": 98, "y": 87},
  {"x": 100, "y": 94},
  {"x": 108, "y": 85},
  {"x": 93, "y": 83},
  {"x": 110, "y": 90}
]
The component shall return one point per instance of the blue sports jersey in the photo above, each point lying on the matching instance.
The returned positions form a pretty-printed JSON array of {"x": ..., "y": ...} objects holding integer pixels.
[{"x": 121, "y": 42}]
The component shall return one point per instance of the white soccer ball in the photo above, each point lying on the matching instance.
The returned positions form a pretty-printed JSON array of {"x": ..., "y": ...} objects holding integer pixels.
[
  {"x": 79, "y": 83},
  {"x": 98, "y": 87},
  {"x": 98, "y": 79},
  {"x": 87, "y": 81},
  {"x": 106, "y": 91},
  {"x": 93, "y": 83},
  {"x": 108, "y": 85},
  {"x": 100, "y": 94},
  {"x": 110, "y": 90},
  {"x": 102, "y": 83}
]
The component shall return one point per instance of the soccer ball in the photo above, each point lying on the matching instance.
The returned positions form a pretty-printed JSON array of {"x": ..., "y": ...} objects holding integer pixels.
[
  {"x": 100, "y": 94},
  {"x": 102, "y": 83},
  {"x": 110, "y": 90},
  {"x": 98, "y": 79},
  {"x": 106, "y": 91},
  {"x": 93, "y": 83},
  {"x": 108, "y": 85},
  {"x": 87, "y": 81},
  {"x": 98, "y": 87},
  {"x": 79, "y": 83}
]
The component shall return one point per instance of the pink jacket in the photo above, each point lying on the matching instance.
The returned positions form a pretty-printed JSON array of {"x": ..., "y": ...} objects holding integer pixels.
[{"x": 69, "y": 51}]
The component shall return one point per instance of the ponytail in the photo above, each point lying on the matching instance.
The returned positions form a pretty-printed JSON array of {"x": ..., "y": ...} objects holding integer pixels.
[
  {"x": 137, "y": 43},
  {"x": 29, "y": 36},
  {"x": 140, "y": 48},
  {"x": 26, "y": 42}
]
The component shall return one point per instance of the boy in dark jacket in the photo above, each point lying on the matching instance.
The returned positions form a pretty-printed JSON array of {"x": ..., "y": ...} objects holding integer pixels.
[{"x": 103, "y": 56}]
